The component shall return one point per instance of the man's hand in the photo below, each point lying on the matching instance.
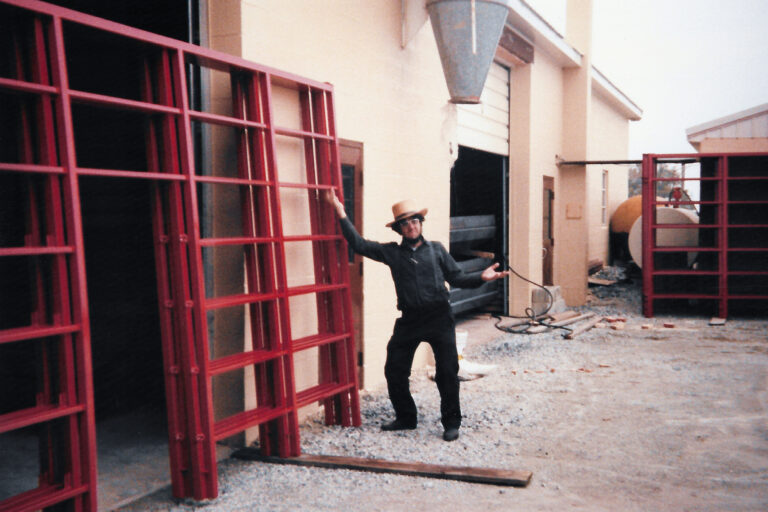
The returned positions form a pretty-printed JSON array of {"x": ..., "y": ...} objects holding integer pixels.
[
  {"x": 490, "y": 274},
  {"x": 338, "y": 206}
]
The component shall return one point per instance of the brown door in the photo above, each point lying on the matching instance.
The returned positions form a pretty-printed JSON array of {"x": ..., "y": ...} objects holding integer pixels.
[
  {"x": 352, "y": 176},
  {"x": 548, "y": 241}
]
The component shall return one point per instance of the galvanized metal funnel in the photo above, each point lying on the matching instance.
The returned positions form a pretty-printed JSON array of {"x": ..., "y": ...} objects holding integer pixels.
[{"x": 467, "y": 32}]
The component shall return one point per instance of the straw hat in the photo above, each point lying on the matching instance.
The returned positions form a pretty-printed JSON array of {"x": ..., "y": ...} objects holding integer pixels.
[{"x": 405, "y": 209}]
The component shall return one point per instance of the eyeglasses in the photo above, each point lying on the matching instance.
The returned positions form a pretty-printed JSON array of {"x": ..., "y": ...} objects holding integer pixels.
[{"x": 413, "y": 220}]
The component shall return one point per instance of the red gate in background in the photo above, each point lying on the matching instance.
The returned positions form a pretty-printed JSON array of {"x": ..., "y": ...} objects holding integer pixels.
[
  {"x": 725, "y": 269},
  {"x": 42, "y": 170}
]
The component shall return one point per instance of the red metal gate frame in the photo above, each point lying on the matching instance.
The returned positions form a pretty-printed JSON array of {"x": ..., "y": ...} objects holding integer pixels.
[
  {"x": 179, "y": 262},
  {"x": 721, "y": 294}
]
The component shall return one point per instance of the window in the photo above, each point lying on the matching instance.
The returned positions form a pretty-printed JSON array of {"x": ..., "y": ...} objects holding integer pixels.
[{"x": 604, "y": 199}]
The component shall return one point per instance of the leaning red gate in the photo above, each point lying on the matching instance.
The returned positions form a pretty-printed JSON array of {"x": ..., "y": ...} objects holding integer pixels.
[{"x": 41, "y": 168}]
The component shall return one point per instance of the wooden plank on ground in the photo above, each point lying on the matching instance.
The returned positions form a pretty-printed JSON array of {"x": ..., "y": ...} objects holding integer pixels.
[
  {"x": 583, "y": 328},
  {"x": 493, "y": 476},
  {"x": 564, "y": 315},
  {"x": 541, "y": 328}
]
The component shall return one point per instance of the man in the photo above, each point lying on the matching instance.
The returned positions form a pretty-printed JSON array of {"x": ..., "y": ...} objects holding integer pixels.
[{"x": 419, "y": 269}]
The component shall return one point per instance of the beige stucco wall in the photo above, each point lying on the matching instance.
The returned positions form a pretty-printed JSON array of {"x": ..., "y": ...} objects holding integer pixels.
[
  {"x": 733, "y": 145},
  {"x": 608, "y": 140},
  {"x": 536, "y": 94},
  {"x": 391, "y": 99}
]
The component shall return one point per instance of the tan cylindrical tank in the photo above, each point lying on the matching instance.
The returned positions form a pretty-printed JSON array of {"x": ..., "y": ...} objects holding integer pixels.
[
  {"x": 672, "y": 237},
  {"x": 626, "y": 214}
]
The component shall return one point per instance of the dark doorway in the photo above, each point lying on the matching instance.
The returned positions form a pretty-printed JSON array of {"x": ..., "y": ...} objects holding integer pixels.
[
  {"x": 479, "y": 213},
  {"x": 129, "y": 392},
  {"x": 548, "y": 236},
  {"x": 351, "y": 154}
]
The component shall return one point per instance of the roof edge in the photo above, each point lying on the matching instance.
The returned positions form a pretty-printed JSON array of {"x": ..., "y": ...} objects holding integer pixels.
[
  {"x": 628, "y": 107},
  {"x": 530, "y": 25},
  {"x": 721, "y": 121}
]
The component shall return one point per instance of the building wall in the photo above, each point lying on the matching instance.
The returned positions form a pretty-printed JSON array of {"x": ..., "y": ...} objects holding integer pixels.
[
  {"x": 536, "y": 137},
  {"x": 608, "y": 140},
  {"x": 733, "y": 145}
]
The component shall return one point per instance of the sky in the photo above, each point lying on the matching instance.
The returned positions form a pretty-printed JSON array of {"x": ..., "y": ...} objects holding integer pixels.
[{"x": 683, "y": 62}]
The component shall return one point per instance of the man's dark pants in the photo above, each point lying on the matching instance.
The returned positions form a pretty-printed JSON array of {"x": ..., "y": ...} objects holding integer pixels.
[{"x": 436, "y": 326}]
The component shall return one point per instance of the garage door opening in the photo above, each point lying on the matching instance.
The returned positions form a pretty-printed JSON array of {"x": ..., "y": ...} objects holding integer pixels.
[{"x": 479, "y": 213}]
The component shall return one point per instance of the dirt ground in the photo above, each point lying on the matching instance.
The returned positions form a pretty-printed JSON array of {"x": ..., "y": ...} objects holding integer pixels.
[
  {"x": 643, "y": 418},
  {"x": 637, "y": 419}
]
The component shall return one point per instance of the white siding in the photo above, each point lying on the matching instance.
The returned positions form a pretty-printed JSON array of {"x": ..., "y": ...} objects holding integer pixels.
[{"x": 486, "y": 126}]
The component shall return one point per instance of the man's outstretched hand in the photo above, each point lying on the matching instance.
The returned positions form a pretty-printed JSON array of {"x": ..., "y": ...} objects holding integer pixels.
[
  {"x": 490, "y": 274},
  {"x": 338, "y": 206}
]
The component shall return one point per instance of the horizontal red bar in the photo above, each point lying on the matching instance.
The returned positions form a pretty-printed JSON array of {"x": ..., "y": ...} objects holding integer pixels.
[
  {"x": 43, "y": 169},
  {"x": 319, "y": 392},
  {"x": 311, "y": 186},
  {"x": 117, "y": 173},
  {"x": 685, "y": 272},
  {"x": 231, "y": 181},
  {"x": 685, "y": 249},
  {"x": 312, "y": 238},
  {"x": 33, "y": 332},
  {"x": 685, "y": 203},
  {"x": 747, "y": 249},
  {"x": 242, "y": 240},
  {"x": 28, "y": 87},
  {"x": 35, "y": 415},
  {"x": 246, "y": 419},
  {"x": 42, "y": 497},
  {"x": 656, "y": 178},
  {"x": 35, "y": 251},
  {"x": 302, "y": 134},
  {"x": 315, "y": 288},
  {"x": 122, "y": 103},
  {"x": 683, "y": 296},
  {"x": 730, "y": 202},
  {"x": 237, "y": 361},
  {"x": 317, "y": 340},
  {"x": 747, "y": 272},
  {"x": 225, "y": 120},
  {"x": 239, "y": 300},
  {"x": 747, "y": 297},
  {"x": 683, "y": 226}
]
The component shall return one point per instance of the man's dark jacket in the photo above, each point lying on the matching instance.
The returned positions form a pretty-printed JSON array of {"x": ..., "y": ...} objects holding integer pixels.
[{"x": 419, "y": 274}]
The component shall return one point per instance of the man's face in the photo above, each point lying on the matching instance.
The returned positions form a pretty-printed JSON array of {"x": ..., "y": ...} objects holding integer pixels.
[{"x": 411, "y": 228}]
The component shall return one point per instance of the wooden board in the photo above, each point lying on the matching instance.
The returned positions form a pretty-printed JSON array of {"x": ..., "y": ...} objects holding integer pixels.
[{"x": 507, "y": 477}]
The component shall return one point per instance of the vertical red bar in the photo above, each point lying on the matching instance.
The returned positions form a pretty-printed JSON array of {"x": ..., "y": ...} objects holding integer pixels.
[
  {"x": 263, "y": 162},
  {"x": 722, "y": 235},
  {"x": 200, "y": 404},
  {"x": 289, "y": 443},
  {"x": 166, "y": 133},
  {"x": 83, "y": 457},
  {"x": 351, "y": 355},
  {"x": 326, "y": 367},
  {"x": 649, "y": 196}
]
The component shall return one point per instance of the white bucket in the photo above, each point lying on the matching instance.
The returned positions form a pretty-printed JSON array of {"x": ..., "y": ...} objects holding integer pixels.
[{"x": 461, "y": 340}]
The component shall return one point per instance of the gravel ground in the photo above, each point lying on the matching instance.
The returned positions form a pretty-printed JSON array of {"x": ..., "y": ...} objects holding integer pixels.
[{"x": 638, "y": 419}]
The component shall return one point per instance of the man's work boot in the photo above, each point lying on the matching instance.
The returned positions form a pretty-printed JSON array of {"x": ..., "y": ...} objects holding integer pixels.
[
  {"x": 451, "y": 434},
  {"x": 398, "y": 425}
]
